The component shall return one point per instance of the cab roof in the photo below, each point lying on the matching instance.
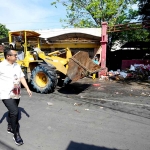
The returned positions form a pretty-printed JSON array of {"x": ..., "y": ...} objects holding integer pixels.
[{"x": 22, "y": 33}]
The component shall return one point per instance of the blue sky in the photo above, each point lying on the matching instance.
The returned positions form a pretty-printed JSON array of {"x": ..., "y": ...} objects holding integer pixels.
[{"x": 31, "y": 14}]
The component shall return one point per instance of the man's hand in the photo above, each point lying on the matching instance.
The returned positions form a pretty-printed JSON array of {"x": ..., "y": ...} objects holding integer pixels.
[
  {"x": 29, "y": 92},
  {"x": 23, "y": 81}
]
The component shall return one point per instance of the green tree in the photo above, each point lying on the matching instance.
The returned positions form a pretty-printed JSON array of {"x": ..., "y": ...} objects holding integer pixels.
[
  {"x": 3, "y": 31},
  {"x": 144, "y": 9},
  {"x": 91, "y": 13}
]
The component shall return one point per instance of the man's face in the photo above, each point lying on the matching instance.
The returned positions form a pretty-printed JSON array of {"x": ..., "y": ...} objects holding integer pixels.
[{"x": 12, "y": 57}]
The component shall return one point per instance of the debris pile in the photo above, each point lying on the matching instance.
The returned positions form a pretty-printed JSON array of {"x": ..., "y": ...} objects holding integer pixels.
[{"x": 136, "y": 71}]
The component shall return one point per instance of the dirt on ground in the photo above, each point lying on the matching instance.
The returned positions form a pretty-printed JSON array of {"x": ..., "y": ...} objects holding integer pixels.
[{"x": 127, "y": 96}]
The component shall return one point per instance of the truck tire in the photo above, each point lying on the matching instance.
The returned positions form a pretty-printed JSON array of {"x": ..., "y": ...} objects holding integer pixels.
[{"x": 43, "y": 79}]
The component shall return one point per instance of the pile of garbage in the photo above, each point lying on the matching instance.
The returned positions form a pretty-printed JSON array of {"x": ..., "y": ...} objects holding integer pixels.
[{"x": 136, "y": 71}]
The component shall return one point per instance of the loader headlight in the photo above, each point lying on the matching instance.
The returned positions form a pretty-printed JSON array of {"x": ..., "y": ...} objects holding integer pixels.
[
  {"x": 12, "y": 46},
  {"x": 35, "y": 55}
]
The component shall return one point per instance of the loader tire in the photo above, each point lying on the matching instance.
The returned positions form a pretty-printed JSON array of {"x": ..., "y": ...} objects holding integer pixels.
[{"x": 43, "y": 79}]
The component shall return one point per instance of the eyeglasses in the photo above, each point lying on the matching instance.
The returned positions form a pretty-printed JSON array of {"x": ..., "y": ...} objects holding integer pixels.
[{"x": 13, "y": 55}]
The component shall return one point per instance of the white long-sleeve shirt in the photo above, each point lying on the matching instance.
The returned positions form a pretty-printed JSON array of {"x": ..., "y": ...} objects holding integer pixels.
[{"x": 7, "y": 72}]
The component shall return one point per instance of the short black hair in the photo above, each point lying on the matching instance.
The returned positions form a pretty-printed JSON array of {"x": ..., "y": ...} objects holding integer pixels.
[{"x": 7, "y": 51}]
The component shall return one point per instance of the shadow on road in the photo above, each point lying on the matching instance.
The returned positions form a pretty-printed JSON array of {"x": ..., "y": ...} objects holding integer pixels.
[
  {"x": 5, "y": 146},
  {"x": 21, "y": 110},
  {"x": 82, "y": 146},
  {"x": 74, "y": 88}
]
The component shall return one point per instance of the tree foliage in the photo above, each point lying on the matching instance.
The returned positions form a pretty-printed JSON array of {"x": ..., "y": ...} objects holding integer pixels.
[
  {"x": 91, "y": 13},
  {"x": 144, "y": 10},
  {"x": 3, "y": 31}
]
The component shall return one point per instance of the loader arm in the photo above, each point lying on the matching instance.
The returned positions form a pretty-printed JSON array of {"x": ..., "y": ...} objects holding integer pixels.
[
  {"x": 55, "y": 61},
  {"x": 62, "y": 51}
]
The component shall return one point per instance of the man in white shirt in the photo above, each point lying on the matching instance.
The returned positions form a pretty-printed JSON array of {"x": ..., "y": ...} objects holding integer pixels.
[{"x": 8, "y": 69}]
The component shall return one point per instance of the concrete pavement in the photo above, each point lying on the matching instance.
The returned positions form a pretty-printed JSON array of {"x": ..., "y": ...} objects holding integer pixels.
[
  {"x": 69, "y": 123},
  {"x": 130, "y": 97}
]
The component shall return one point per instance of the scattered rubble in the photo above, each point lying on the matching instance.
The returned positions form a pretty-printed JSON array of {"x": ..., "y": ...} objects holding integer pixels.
[
  {"x": 77, "y": 104},
  {"x": 145, "y": 94},
  {"x": 49, "y": 103},
  {"x": 118, "y": 93},
  {"x": 136, "y": 71},
  {"x": 96, "y": 84},
  {"x": 77, "y": 110}
]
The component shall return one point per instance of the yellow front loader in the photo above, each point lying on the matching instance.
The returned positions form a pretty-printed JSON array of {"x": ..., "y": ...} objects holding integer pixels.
[{"x": 43, "y": 71}]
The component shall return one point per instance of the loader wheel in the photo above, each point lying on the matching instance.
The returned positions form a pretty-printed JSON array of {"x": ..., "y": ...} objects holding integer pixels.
[{"x": 44, "y": 79}]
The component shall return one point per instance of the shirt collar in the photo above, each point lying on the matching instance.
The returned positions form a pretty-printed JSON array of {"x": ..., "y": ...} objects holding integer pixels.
[{"x": 7, "y": 63}]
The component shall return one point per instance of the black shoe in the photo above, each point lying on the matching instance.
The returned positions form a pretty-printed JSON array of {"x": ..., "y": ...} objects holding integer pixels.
[
  {"x": 18, "y": 140},
  {"x": 9, "y": 129}
]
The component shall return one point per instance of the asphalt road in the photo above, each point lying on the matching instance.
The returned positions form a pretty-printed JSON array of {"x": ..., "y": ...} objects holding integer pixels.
[{"x": 83, "y": 116}]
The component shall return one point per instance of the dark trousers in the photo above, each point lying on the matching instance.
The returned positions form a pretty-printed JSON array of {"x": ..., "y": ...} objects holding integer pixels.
[{"x": 12, "y": 106}]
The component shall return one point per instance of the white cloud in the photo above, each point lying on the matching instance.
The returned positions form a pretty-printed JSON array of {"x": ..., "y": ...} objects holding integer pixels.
[{"x": 29, "y": 14}]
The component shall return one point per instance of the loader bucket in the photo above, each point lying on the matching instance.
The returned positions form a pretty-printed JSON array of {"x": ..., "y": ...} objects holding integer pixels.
[{"x": 80, "y": 65}]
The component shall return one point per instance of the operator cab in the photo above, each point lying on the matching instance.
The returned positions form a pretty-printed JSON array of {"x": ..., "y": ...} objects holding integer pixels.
[{"x": 24, "y": 42}]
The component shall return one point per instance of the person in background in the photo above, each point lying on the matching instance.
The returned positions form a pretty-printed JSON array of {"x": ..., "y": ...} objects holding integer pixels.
[
  {"x": 10, "y": 77},
  {"x": 96, "y": 60}
]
